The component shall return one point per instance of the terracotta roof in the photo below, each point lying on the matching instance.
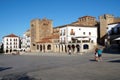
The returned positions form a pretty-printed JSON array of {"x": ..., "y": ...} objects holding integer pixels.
[
  {"x": 11, "y": 35},
  {"x": 48, "y": 39},
  {"x": 45, "y": 41},
  {"x": 54, "y": 36}
]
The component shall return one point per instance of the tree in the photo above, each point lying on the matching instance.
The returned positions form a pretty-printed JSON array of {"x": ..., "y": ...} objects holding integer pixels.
[{"x": 1, "y": 49}]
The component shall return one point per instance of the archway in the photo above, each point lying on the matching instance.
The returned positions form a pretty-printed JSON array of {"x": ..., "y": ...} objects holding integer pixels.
[
  {"x": 73, "y": 48},
  {"x": 78, "y": 48},
  {"x": 85, "y": 46},
  {"x": 7, "y": 51},
  {"x": 69, "y": 46},
  {"x": 49, "y": 47},
  {"x": 40, "y": 47},
  {"x": 10, "y": 50},
  {"x": 65, "y": 49},
  {"x": 62, "y": 48},
  {"x": 44, "y": 48}
]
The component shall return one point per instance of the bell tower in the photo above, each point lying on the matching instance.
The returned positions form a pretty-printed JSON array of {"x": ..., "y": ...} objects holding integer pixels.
[{"x": 104, "y": 21}]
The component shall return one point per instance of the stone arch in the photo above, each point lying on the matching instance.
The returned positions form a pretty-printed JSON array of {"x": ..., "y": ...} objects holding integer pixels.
[
  {"x": 78, "y": 48},
  {"x": 37, "y": 47},
  {"x": 62, "y": 48},
  {"x": 69, "y": 46},
  {"x": 49, "y": 47},
  {"x": 7, "y": 51},
  {"x": 43, "y": 48},
  {"x": 65, "y": 48},
  {"x": 10, "y": 50},
  {"x": 73, "y": 47},
  {"x": 40, "y": 47}
]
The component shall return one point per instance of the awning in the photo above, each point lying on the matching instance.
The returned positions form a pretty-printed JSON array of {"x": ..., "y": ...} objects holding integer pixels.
[{"x": 117, "y": 38}]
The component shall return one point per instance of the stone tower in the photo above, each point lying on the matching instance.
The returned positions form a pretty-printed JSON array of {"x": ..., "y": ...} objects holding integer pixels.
[
  {"x": 39, "y": 29},
  {"x": 104, "y": 21}
]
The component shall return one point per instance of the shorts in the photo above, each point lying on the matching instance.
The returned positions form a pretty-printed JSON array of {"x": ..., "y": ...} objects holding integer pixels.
[{"x": 99, "y": 55}]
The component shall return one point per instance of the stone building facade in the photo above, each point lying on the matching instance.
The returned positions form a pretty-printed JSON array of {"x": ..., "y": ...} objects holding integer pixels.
[
  {"x": 46, "y": 38},
  {"x": 86, "y": 21},
  {"x": 39, "y": 29}
]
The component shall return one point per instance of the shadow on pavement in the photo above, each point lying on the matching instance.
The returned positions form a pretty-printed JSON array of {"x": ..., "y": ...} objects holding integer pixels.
[
  {"x": 5, "y": 68},
  {"x": 18, "y": 77},
  {"x": 93, "y": 60},
  {"x": 115, "y": 61}
]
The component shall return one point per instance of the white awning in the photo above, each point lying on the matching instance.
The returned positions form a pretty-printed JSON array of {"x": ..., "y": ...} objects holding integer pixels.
[{"x": 117, "y": 38}]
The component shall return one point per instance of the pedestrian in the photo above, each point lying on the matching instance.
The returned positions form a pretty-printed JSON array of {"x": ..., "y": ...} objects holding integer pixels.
[
  {"x": 99, "y": 54},
  {"x": 96, "y": 54},
  {"x": 69, "y": 51}
]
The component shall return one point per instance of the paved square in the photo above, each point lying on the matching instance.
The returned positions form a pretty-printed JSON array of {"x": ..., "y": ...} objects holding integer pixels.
[{"x": 53, "y": 66}]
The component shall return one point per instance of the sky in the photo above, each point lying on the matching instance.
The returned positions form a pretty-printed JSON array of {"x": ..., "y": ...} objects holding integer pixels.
[{"x": 15, "y": 15}]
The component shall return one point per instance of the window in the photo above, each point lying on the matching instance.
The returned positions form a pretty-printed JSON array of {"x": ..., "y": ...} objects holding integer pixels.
[
  {"x": 83, "y": 33},
  {"x": 72, "y": 32},
  {"x": 33, "y": 44},
  {"x": 32, "y": 25},
  {"x": 92, "y": 41},
  {"x": 89, "y": 33},
  {"x": 64, "y": 32},
  {"x": 61, "y": 33}
]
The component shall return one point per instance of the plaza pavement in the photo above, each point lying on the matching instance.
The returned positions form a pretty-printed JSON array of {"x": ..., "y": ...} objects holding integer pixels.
[{"x": 61, "y": 66}]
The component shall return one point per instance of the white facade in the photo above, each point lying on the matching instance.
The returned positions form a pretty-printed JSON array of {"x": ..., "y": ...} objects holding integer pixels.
[
  {"x": 11, "y": 43},
  {"x": 79, "y": 32},
  {"x": 25, "y": 43},
  {"x": 78, "y": 37}
]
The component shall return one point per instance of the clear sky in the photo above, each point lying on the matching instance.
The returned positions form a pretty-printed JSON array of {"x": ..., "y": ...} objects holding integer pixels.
[{"x": 15, "y": 15}]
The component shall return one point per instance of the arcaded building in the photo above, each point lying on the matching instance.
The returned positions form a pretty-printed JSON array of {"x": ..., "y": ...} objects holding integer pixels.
[
  {"x": 80, "y": 36},
  {"x": 43, "y": 36}
]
